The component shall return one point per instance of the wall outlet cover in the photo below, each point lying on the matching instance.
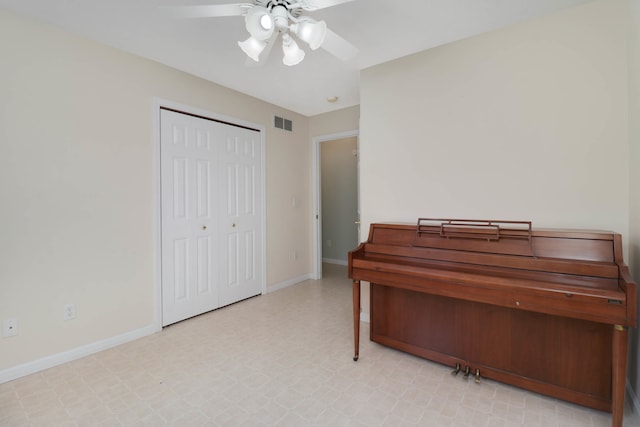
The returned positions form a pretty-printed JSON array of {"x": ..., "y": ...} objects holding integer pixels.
[
  {"x": 10, "y": 327},
  {"x": 69, "y": 311}
]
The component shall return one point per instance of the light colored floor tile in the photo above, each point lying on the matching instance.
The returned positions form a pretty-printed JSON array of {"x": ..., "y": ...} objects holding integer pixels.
[{"x": 282, "y": 359}]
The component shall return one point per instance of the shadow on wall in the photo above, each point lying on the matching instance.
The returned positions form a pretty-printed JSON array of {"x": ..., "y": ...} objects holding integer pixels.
[{"x": 634, "y": 351}]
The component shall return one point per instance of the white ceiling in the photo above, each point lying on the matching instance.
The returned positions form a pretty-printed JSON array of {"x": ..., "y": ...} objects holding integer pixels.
[{"x": 382, "y": 30}]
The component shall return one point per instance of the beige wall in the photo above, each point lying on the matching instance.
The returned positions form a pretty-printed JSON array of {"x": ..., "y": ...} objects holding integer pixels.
[
  {"x": 633, "y": 50},
  {"x": 343, "y": 120},
  {"x": 525, "y": 123},
  {"x": 76, "y": 184}
]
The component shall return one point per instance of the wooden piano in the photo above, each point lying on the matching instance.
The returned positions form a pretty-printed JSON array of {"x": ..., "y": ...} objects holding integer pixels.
[{"x": 545, "y": 310}]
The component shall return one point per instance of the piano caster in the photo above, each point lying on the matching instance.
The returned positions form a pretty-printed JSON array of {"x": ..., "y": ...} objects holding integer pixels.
[
  {"x": 355, "y": 358},
  {"x": 456, "y": 371},
  {"x": 477, "y": 375},
  {"x": 467, "y": 371}
]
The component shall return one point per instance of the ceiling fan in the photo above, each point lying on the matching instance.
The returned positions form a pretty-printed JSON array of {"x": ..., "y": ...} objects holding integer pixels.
[{"x": 265, "y": 20}]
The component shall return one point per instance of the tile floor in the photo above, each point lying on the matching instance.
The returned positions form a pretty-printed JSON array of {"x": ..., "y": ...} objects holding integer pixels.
[{"x": 283, "y": 359}]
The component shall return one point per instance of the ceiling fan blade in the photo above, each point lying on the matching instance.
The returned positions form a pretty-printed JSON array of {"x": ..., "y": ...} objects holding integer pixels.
[
  {"x": 320, "y": 4},
  {"x": 338, "y": 47},
  {"x": 208, "y": 11}
]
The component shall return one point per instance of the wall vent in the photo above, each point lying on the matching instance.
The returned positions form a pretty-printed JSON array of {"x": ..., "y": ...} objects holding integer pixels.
[{"x": 282, "y": 123}]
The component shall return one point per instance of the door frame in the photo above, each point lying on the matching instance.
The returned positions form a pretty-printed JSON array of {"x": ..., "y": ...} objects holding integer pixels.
[
  {"x": 317, "y": 194},
  {"x": 159, "y": 103}
]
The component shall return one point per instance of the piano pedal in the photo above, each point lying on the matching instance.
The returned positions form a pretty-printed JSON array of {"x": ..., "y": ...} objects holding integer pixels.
[
  {"x": 477, "y": 375},
  {"x": 467, "y": 371},
  {"x": 456, "y": 371}
]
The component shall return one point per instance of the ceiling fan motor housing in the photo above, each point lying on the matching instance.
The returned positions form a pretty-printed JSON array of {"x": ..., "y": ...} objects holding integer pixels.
[{"x": 295, "y": 11}]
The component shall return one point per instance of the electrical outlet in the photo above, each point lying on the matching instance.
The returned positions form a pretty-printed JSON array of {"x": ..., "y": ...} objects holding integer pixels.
[
  {"x": 329, "y": 243},
  {"x": 69, "y": 312},
  {"x": 295, "y": 255},
  {"x": 10, "y": 328}
]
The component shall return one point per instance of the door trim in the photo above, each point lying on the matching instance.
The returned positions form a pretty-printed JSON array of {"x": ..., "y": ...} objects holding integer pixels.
[
  {"x": 317, "y": 195},
  {"x": 159, "y": 103}
]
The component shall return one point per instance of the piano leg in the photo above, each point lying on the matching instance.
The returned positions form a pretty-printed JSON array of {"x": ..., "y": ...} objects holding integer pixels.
[
  {"x": 619, "y": 373},
  {"x": 356, "y": 319}
]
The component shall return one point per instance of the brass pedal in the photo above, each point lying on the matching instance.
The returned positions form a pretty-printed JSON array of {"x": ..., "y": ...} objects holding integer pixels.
[
  {"x": 467, "y": 371},
  {"x": 477, "y": 375},
  {"x": 456, "y": 371}
]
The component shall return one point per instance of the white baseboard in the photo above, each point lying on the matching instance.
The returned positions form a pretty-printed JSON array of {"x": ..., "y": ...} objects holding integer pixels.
[
  {"x": 635, "y": 402},
  {"x": 47, "y": 362},
  {"x": 335, "y": 261},
  {"x": 290, "y": 282}
]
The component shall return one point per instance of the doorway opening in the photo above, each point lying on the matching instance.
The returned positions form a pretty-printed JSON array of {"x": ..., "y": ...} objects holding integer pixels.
[{"x": 336, "y": 198}]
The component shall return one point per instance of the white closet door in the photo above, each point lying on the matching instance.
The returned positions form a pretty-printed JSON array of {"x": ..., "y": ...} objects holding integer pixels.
[
  {"x": 240, "y": 215},
  {"x": 195, "y": 192}
]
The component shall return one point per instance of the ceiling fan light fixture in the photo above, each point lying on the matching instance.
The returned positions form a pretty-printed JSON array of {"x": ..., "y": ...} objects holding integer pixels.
[
  {"x": 310, "y": 31},
  {"x": 293, "y": 55},
  {"x": 259, "y": 23},
  {"x": 252, "y": 47},
  {"x": 266, "y": 22}
]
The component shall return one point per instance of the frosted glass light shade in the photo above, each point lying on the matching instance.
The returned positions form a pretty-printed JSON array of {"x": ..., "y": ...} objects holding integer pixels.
[
  {"x": 292, "y": 53},
  {"x": 311, "y": 32},
  {"x": 252, "y": 47},
  {"x": 259, "y": 23}
]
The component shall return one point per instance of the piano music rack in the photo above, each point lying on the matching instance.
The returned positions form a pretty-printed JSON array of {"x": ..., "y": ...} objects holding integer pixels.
[{"x": 489, "y": 230}]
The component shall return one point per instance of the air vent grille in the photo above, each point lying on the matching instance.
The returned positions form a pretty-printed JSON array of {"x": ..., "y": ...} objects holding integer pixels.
[{"x": 282, "y": 123}]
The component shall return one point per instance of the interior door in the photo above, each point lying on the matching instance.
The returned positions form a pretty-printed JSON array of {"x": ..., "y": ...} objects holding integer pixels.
[
  {"x": 240, "y": 215},
  {"x": 210, "y": 252}
]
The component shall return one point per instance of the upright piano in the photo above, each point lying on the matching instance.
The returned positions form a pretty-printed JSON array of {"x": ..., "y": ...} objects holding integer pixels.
[{"x": 547, "y": 310}]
